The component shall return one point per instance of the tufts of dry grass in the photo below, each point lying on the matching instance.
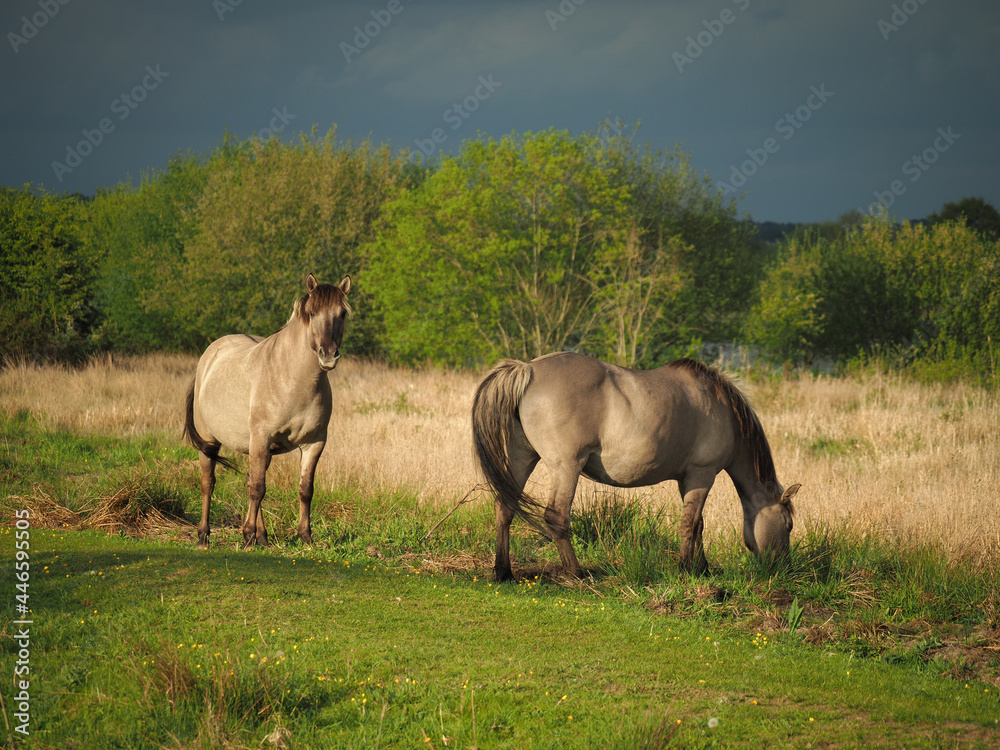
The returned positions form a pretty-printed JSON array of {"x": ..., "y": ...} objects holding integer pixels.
[
  {"x": 47, "y": 512},
  {"x": 139, "y": 505},
  {"x": 890, "y": 458},
  {"x": 124, "y": 396},
  {"x": 394, "y": 428},
  {"x": 879, "y": 455}
]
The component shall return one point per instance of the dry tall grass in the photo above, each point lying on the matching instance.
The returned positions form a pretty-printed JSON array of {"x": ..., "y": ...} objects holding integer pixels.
[{"x": 883, "y": 456}]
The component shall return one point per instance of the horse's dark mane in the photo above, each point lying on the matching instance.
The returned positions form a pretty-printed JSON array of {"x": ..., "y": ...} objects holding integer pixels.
[
  {"x": 323, "y": 296},
  {"x": 749, "y": 425}
]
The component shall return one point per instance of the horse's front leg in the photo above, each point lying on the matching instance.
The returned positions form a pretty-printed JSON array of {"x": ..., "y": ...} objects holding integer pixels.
[
  {"x": 307, "y": 472},
  {"x": 253, "y": 526},
  {"x": 694, "y": 490}
]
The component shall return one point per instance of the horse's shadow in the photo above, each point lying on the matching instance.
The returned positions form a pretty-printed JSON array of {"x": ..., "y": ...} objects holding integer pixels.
[{"x": 553, "y": 573}]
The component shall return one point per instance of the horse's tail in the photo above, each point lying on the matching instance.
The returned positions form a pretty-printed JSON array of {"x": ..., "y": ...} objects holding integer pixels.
[
  {"x": 494, "y": 410},
  {"x": 191, "y": 433}
]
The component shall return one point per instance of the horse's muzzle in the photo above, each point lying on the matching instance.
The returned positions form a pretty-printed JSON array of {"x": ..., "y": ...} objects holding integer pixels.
[{"x": 326, "y": 361}]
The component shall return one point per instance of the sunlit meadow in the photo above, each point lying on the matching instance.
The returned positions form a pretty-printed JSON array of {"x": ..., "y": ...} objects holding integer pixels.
[{"x": 901, "y": 461}]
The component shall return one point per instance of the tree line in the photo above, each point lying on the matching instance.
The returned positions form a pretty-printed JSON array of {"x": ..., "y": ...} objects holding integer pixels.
[{"x": 514, "y": 246}]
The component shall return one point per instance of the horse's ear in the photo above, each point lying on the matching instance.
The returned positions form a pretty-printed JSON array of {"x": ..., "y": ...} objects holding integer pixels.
[
  {"x": 787, "y": 495},
  {"x": 345, "y": 284},
  {"x": 311, "y": 283}
]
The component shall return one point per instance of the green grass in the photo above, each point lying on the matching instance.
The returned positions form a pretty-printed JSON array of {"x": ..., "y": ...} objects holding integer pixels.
[
  {"x": 386, "y": 635},
  {"x": 142, "y": 644}
]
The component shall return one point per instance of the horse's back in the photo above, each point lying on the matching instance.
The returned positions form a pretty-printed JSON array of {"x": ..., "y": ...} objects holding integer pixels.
[
  {"x": 584, "y": 390},
  {"x": 226, "y": 364},
  {"x": 625, "y": 427}
]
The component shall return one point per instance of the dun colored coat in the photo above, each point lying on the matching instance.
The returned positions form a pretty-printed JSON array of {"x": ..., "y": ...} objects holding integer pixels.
[
  {"x": 266, "y": 396},
  {"x": 624, "y": 428}
]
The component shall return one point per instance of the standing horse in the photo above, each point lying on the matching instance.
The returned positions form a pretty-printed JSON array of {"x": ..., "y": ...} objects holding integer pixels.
[
  {"x": 265, "y": 396},
  {"x": 624, "y": 428}
]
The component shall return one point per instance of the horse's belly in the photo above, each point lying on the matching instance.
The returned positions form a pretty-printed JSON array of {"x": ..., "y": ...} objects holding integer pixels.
[
  {"x": 226, "y": 417},
  {"x": 305, "y": 428},
  {"x": 639, "y": 468},
  {"x": 236, "y": 441}
]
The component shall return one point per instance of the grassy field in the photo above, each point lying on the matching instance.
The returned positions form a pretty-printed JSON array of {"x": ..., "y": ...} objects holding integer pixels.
[{"x": 883, "y": 629}]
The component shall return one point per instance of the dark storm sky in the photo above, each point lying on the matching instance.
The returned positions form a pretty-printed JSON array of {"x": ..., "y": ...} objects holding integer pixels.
[{"x": 806, "y": 109}]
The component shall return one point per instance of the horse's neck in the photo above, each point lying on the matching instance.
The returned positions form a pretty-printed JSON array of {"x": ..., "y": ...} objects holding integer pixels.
[
  {"x": 754, "y": 495},
  {"x": 294, "y": 355}
]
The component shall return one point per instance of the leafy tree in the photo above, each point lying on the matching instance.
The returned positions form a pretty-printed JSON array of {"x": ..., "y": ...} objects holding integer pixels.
[
  {"x": 975, "y": 212},
  {"x": 960, "y": 297},
  {"x": 543, "y": 241},
  {"x": 142, "y": 233},
  {"x": 867, "y": 293},
  {"x": 268, "y": 214},
  {"x": 785, "y": 322},
  {"x": 47, "y": 275},
  {"x": 924, "y": 296},
  {"x": 680, "y": 209},
  {"x": 490, "y": 255}
]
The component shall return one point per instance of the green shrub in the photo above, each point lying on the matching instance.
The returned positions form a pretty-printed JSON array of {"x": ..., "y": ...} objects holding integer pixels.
[
  {"x": 923, "y": 298},
  {"x": 47, "y": 276},
  {"x": 539, "y": 242}
]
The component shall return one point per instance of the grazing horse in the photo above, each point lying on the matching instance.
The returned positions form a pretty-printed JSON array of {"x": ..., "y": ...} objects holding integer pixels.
[
  {"x": 265, "y": 396},
  {"x": 624, "y": 428}
]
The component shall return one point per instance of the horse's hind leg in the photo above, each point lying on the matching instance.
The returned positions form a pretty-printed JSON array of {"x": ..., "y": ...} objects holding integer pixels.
[
  {"x": 501, "y": 565},
  {"x": 522, "y": 462},
  {"x": 694, "y": 490},
  {"x": 253, "y": 526},
  {"x": 564, "y": 480},
  {"x": 207, "y": 465},
  {"x": 307, "y": 471}
]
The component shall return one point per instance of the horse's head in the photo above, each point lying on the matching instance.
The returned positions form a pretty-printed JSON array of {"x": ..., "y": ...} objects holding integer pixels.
[
  {"x": 773, "y": 525},
  {"x": 324, "y": 310}
]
